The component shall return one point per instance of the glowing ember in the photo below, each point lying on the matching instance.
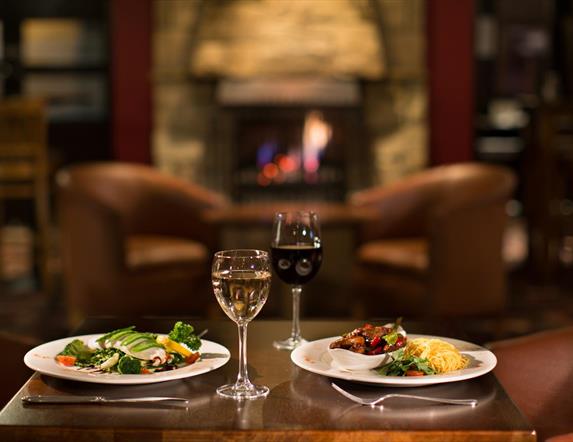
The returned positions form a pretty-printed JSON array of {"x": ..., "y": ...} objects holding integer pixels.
[{"x": 277, "y": 167}]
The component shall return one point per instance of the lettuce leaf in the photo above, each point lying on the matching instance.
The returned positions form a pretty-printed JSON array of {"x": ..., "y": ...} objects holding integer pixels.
[
  {"x": 403, "y": 362},
  {"x": 78, "y": 349}
]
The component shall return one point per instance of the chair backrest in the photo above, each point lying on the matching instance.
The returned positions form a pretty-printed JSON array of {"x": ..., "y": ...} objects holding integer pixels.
[
  {"x": 145, "y": 200},
  {"x": 537, "y": 372},
  {"x": 410, "y": 206}
]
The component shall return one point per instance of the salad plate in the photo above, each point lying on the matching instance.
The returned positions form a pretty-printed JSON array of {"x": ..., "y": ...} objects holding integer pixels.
[
  {"x": 42, "y": 359},
  {"x": 315, "y": 357}
]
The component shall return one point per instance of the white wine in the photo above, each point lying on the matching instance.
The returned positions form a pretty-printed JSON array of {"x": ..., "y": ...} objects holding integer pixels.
[
  {"x": 241, "y": 282},
  {"x": 241, "y": 293}
]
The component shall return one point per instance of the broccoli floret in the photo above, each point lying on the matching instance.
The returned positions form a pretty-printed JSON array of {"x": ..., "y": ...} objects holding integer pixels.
[
  {"x": 184, "y": 334},
  {"x": 129, "y": 365}
]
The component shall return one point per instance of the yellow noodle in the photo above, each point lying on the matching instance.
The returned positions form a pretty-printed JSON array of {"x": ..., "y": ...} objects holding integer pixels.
[{"x": 442, "y": 356}]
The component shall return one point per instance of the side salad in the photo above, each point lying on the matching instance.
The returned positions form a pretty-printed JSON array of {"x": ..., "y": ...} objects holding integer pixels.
[
  {"x": 127, "y": 351},
  {"x": 404, "y": 364}
]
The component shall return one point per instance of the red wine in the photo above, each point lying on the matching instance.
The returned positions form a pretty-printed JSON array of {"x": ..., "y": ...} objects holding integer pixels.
[{"x": 296, "y": 264}]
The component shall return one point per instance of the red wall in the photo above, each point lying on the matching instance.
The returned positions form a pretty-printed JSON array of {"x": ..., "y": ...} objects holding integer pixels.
[
  {"x": 451, "y": 82},
  {"x": 131, "y": 22}
]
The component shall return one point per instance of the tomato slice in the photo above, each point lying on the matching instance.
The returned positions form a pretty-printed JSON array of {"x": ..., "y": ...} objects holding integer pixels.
[
  {"x": 414, "y": 373},
  {"x": 68, "y": 361},
  {"x": 192, "y": 358}
]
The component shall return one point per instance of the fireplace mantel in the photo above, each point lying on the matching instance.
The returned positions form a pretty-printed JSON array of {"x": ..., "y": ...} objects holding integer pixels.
[{"x": 287, "y": 91}]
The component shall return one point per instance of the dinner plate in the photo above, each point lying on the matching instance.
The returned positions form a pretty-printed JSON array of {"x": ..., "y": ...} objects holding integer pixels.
[
  {"x": 313, "y": 356},
  {"x": 42, "y": 359}
]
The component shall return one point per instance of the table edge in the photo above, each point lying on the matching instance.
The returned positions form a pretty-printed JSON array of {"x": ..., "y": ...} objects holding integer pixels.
[{"x": 48, "y": 433}]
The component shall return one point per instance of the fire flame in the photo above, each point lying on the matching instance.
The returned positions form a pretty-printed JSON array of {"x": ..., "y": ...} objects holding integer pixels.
[
  {"x": 316, "y": 135},
  {"x": 277, "y": 167}
]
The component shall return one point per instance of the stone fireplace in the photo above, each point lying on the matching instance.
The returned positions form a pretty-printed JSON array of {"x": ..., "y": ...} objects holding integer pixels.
[
  {"x": 308, "y": 99},
  {"x": 290, "y": 139}
]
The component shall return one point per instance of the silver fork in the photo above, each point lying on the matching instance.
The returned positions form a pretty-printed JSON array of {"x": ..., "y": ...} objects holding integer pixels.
[{"x": 374, "y": 402}]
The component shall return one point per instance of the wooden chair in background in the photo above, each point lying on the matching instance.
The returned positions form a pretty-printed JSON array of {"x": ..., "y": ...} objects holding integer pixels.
[{"x": 24, "y": 169}]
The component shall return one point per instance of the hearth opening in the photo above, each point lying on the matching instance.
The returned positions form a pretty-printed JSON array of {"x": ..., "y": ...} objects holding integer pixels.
[
  {"x": 292, "y": 153},
  {"x": 292, "y": 140}
]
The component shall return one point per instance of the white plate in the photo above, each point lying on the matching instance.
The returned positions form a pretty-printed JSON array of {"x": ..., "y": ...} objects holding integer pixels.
[
  {"x": 314, "y": 357},
  {"x": 42, "y": 359}
]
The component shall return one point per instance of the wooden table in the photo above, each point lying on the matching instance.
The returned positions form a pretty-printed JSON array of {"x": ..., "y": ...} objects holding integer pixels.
[{"x": 300, "y": 406}]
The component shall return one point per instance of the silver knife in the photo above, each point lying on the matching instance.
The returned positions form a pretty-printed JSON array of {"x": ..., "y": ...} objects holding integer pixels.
[{"x": 42, "y": 399}]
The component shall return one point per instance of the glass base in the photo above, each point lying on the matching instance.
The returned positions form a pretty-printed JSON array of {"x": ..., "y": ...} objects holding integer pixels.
[
  {"x": 289, "y": 344},
  {"x": 242, "y": 391}
]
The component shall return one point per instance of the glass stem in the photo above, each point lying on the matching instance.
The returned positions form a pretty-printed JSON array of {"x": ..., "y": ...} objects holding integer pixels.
[
  {"x": 296, "y": 291},
  {"x": 243, "y": 376}
]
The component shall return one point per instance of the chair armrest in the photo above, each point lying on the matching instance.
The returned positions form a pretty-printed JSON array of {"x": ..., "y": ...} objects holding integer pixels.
[
  {"x": 92, "y": 250},
  {"x": 411, "y": 206},
  {"x": 92, "y": 234},
  {"x": 474, "y": 195},
  {"x": 467, "y": 271}
]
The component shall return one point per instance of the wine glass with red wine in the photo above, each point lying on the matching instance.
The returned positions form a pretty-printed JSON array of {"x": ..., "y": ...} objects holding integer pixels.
[{"x": 296, "y": 256}]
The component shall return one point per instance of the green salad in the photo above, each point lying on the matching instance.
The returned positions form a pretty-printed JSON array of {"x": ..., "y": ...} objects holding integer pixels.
[
  {"x": 404, "y": 364},
  {"x": 128, "y": 351}
]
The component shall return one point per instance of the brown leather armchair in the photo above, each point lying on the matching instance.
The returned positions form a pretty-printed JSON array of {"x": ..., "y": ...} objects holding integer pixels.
[
  {"x": 436, "y": 248},
  {"x": 134, "y": 241},
  {"x": 537, "y": 372}
]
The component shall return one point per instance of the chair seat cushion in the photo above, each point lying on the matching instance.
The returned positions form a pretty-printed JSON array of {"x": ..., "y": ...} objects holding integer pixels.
[
  {"x": 410, "y": 254},
  {"x": 145, "y": 251}
]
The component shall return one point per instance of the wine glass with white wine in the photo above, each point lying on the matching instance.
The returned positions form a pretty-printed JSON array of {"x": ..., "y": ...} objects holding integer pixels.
[{"x": 241, "y": 282}]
